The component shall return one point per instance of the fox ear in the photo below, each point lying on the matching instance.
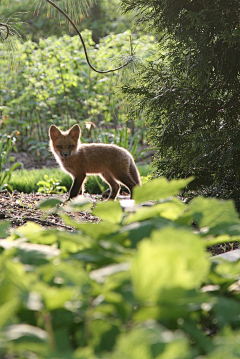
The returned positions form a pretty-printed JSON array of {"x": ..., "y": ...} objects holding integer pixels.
[
  {"x": 75, "y": 131},
  {"x": 54, "y": 132}
]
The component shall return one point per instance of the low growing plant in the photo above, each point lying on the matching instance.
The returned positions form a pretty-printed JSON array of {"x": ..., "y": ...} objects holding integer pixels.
[
  {"x": 51, "y": 186},
  {"x": 26, "y": 180},
  {"x": 138, "y": 284},
  {"x": 7, "y": 143}
]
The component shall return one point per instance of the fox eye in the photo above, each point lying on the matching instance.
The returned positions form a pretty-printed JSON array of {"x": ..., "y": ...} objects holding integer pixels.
[
  {"x": 59, "y": 146},
  {"x": 70, "y": 146}
]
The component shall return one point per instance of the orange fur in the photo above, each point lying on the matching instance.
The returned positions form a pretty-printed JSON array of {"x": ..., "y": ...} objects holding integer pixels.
[{"x": 113, "y": 163}]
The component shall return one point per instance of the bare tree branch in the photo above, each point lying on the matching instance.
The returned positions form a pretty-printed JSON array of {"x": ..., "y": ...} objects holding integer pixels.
[
  {"x": 7, "y": 29},
  {"x": 84, "y": 47}
]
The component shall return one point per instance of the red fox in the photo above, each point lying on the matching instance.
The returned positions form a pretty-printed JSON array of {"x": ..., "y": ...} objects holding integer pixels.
[{"x": 113, "y": 163}]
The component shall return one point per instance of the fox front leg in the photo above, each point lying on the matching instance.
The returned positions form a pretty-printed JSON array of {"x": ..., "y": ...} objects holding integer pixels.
[{"x": 76, "y": 186}]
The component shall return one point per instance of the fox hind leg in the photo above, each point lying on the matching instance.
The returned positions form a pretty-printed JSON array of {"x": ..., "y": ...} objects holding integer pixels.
[
  {"x": 127, "y": 180},
  {"x": 114, "y": 185}
]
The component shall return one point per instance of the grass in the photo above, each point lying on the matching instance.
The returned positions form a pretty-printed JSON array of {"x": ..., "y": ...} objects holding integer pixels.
[{"x": 26, "y": 180}]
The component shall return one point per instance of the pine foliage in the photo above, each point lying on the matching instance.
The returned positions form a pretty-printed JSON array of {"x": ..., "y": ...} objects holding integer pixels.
[{"x": 191, "y": 95}]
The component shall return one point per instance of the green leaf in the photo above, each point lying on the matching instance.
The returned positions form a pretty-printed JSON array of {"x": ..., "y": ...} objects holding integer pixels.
[
  {"x": 8, "y": 309},
  {"x": 220, "y": 217},
  {"x": 110, "y": 211},
  {"x": 227, "y": 311},
  {"x": 227, "y": 269},
  {"x": 172, "y": 259},
  {"x": 36, "y": 234},
  {"x": 79, "y": 203},
  {"x": 103, "y": 333},
  {"x": 98, "y": 230},
  {"x": 169, "y": 209},
  {"x": 16, "y": 331},
  {"x": 4, "y": 226},
  {"x": 159, "y": 188},
  {"x": 150, "y": 341},
  {"x": 48, "y": 204},
  {"x": 56, "y": 297}
]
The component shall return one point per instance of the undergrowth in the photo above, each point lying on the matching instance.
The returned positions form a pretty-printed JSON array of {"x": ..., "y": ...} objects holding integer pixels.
[
  {"x": 136, "y": 285},
  {"x": 26, "y": 180}
]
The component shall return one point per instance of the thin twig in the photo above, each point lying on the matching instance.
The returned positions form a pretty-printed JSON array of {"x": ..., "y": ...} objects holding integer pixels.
[
  {"x": 2, "y": 24},
  {"x": 84, "y": 47}
]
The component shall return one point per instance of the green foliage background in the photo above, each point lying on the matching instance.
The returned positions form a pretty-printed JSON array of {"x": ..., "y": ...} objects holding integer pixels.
[
  {"x": 26, "y": 181},
  {"x": 137, "y": 284},
  {"x": 37, "y": 19},
  {"x": 54, "y": 84},
  {"x": 191, "y": 94}
]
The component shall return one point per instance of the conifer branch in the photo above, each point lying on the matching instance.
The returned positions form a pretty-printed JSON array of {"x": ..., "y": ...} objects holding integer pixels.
[{"x": 84, "y": 47}]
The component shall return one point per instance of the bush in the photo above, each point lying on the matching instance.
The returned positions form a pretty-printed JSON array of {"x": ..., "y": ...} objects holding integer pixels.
[
  {"x": 137, "y": 284},
  {"x": 7, "y": 143},
  {"x": 32, "y": 21},
  {"x": 191, "y": 95},
  {"x": 55, "y": 85}
]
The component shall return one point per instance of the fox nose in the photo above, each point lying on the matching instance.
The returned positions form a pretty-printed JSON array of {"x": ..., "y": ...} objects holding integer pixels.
[{"x": 65, "y": 154}]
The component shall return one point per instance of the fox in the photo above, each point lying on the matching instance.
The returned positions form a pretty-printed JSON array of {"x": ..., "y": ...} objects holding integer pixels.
[{"x": 114, "y": 164}]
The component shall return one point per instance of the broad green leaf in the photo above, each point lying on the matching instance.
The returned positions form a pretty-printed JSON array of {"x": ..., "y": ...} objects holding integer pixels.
[
  {"x": 159, "y": 188},
  {"x": 98, "y": 230},
  {"x": 16, "y": 331},
  {"x": 217, "y": 215},
  {"x": 84, "y": 353},
  {"x": 55, "y": 298},
  {"x": 4, "y": 226},
  {"x": 50, "y": 203},
  {"x": 103, "y": 333},
  {"x": 79, "y": 203},
  {"x": 171, "y": 259},
  {"x": 8, "y": 310},
  {"x": 36, "y": 234},
  {"x": 110, "y": 211},
  {"x": 227, "y": 269},
  {"x": 64, "y": 273},
  {"x": 31, "y": 253},
  {"x": 169, "y": 209},
  {"x": 226, "y": 344},
  {"x": 99, "y": 275},
  {"x": 136, "y": 231},
  {"x": 203, "y": 342},
  {"x": 150, "y": 341},
  {"x": 96, "y": 256},
  {"x": 227, "y": 311}
]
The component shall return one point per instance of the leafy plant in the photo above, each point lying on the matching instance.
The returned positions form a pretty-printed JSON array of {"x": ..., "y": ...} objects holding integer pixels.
[
  {"x": 54, "y": 85},
  {"x": 136, "y": 284},
  {"x": 6, "y": 145},
  {"x": 124, "y": 138},
  {"x": 26, "y": 180},
  {"x": 51, "y": 186}
]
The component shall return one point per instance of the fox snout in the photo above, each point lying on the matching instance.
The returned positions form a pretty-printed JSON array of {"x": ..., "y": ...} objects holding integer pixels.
[{"x": 65, "y": 153}]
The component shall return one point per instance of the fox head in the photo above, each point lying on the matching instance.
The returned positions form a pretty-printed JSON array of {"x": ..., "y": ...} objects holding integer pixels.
[{"x": 64, "y": 143}]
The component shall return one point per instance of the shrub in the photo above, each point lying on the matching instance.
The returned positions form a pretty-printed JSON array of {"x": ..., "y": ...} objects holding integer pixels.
[
  {"x": 137, "y": 284},
  {"x": 191, "y": 95}
]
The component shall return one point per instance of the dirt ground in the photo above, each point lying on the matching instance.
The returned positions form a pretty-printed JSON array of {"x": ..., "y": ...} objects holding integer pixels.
[{"x": 19, "y": 208}]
